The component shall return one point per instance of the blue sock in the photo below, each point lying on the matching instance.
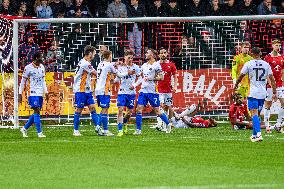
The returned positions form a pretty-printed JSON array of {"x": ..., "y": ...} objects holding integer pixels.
[
  {"x": 164, "y": 118},
  {"x": 29, "y": 122},
  {"x": 104, "y": 120},
  {"x": 99, "y": 122},
  {"x": 37, "y": 122},
  {"x": 125, "y": 120},
  {"x": 139, "y": 121},
  {"x": 76, "y": 120},
  {"x": 119, "y": 126},
  {"x": 256, "y": 123},
  {"x": 95, "y": 117}
]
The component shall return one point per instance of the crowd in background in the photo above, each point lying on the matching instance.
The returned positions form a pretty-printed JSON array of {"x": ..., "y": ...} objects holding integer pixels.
[{"x": 123, "y": 8}]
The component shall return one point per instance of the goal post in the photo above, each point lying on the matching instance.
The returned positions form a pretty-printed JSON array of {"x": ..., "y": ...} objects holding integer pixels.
[{"x": 204, "y": 73}]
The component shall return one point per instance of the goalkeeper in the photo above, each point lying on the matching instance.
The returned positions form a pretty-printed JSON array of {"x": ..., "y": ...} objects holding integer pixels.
[{"x": 237, "y": 65}]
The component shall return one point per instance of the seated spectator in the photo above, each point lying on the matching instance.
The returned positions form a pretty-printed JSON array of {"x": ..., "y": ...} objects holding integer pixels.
[
  {"x": 57, "y": 6},
  {"x": 116, "y": 9},
  {"x": 98, "y": 8},
  {"x": 214, "y": 9},
  {"x": 196, "y": 8},
  {"x": 247, "y": 7},
  {"x": 281, "y": 7},
  {"x": 266, "y": 8},
  {"x": 44, "y": 11},
  {"x": 230, "y": 8},
  {"x": 5, "y": 8},
  {"x": 54, "y": 57},
  {"x": 79, "y": 3},
  {"x": 22, "y": 10},
  {"x": 157, "y": 9},
  {"x": 26, "y": 50},
  {"x": 173, "y": 9}
]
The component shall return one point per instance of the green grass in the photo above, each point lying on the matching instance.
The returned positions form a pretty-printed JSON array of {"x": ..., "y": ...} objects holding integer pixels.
[{"x": 186, "y": 158}]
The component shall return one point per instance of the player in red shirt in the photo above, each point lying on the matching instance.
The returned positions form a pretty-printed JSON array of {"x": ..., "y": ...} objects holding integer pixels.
[
  {"x": 276, "y": 61},
  {"x": 165, "y": 87}
]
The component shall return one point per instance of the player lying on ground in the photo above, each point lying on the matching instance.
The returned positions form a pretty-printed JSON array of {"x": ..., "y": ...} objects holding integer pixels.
[
  {"x": 187, "y": 119},
  {"x": 36, "y": 73},
  {"x": 239, "y": 115}
]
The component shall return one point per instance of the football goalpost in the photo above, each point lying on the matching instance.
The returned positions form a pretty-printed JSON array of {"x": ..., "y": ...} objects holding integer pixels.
[{"x": 201, "y": 47}]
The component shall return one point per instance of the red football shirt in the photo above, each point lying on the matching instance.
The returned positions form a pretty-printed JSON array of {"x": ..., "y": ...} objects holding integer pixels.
[
  {"x": 238, "y": 112},
  {"x": 169, "y": 69},
  {"x": 201, "y": 121},
  {"x": 277, "y": 64}
]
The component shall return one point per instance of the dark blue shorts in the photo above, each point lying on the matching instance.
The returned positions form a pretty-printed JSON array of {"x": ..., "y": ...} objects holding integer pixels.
[
  {"x": 83, "y": 99},
  {"x": 103, "y": 101},
  {"x": 35, "y": 101},
  {"x": 126, "y": 100},
  {"x": 254, "y": 103},
  {"x": 152, "y": 98}
]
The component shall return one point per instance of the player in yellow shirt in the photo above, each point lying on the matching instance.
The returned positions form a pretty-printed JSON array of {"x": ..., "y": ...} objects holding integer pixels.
[{"x": 237, "y": 65}]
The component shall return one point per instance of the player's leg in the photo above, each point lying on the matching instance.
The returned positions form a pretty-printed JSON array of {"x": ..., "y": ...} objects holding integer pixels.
[
  {"x": 159, "y": 120},
  {"x": 266, "y": 111},
  {"x": 104, "y": 103},
  {"x": 80, "y": 102},
  {"x": 191, "y": 111},
  {"x": 129, "y": 109},
  {"x": 280, "y": 96},
  {"x": 121, "y": 103},
  {"x": 92, "y": 109},
  {"x": 141, "y": 103},
  {"x": 253, "y": 105}
]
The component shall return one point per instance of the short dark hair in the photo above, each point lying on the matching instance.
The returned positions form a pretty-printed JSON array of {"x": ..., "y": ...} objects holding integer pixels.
[
  {"x": 89, "y": 49},
  {"x": 162, "y": 48},
  {"x": 37, "y": 55},
  {"x": 106, "y": 54},
  {"x": 256, "y": 51},
  {"x": 128, "y": 52}
]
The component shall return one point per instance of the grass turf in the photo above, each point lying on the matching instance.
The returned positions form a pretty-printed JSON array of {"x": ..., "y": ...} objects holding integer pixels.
[{"x": 186, "y": 158}]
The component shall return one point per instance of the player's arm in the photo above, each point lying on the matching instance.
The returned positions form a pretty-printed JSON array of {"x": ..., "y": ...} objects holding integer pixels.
[
  {"x": 174, "y": 72},
  {"x": 273, "y": 85},
  {"x": 282, "y": 76},
  {"x": 241, "y": 76},
  {"x": 234, "y": 71},
  {"x": 116, "y": 79},
  {"x": 25, "y": 76},
  {"x": 192, "y": 125},
  {"x": 91, "y": 70}
]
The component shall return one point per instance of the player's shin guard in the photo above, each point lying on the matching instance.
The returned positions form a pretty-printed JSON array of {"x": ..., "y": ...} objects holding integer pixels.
[
  {"x": 37, "y": 122},
  {"x": 104, "y": 120},
  {"x": 94, "y": 117},
  {"x": 266, "y": 116},
  {"x": 256, "y": 124},
  {"x": 29, "y": 122},
  {"x": 139, "y": 121},
  {"x": 164, "y": 118},
  {"x": 76, "y": 121},
  {"x": 280, "y": 116}
]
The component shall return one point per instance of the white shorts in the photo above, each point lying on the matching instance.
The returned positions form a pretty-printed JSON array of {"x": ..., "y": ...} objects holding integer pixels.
[
  {"x": 179, "y": 123},
  {"x": 279, "y": 93},
  {"x": 166, "y": 99}
]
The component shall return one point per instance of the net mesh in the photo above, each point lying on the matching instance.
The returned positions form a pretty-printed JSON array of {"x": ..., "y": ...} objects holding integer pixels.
[{"x": 202, "y": 51}]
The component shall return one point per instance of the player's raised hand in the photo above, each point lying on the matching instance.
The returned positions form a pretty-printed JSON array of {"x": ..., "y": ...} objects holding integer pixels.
[{"x": 20, "y": 98}]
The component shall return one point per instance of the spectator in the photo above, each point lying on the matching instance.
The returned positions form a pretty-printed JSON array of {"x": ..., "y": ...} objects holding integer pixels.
[
  {"x": 98, "y": 8},
  {"x": 196, "y": 8},
  {"x": 26, "y": 51},
  {"x": 57, "y": 6},
  {"x": 214, "y": 9},
  {"x": 281, "y": 7},
  {"x": 157, "y": 9},
  {"x": 266, "y": 8},
  {"x": 230, "y": 8},
  {"x": 22, "y": 11},
  {"x": 79, "y": 3},
  {"x": 44, "y": 11},
  {"x": 134, "y": 30},
  {"x": 247, "y": 7},
  {"x": 5, "y": 8},
  {"x": 54, "y": 57},
  {"x": 174, "y": 9},
  {"x": 116, "y": 9}
]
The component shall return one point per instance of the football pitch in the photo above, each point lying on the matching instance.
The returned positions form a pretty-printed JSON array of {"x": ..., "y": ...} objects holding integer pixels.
[{"x": 187, "y": 158}]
